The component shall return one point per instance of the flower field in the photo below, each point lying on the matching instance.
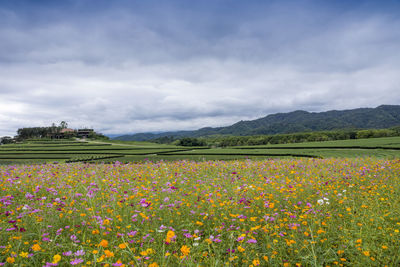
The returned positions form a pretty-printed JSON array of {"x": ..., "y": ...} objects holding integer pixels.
[{"x": 288, "y": 212}]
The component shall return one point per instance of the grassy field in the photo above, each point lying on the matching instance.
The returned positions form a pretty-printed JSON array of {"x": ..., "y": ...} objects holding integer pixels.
[
  {"x": 74, "y": 151},
  {"x": 279, "y": 212}
]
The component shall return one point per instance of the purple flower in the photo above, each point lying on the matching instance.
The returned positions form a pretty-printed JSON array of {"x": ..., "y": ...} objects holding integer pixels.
[
  {"x": 79, "y": 253},
  {"x": 251, "y": 241},
  {"x": 68, "y": 253},
  {"x": 132, "y": 233},
  {"x": 48, "y": 264},
  {"x": 76, "y": 261}
]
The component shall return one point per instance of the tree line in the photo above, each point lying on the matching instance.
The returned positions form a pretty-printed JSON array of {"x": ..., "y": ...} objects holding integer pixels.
[{"x": 224, "y": 141}]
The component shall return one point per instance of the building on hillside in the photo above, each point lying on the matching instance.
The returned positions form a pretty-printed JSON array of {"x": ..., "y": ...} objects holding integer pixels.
[
  {"x": 63, "y": 133},
  {"x": 84, "y": 133}
]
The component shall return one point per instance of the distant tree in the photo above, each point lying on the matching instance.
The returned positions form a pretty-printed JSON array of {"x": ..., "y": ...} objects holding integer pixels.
[
  {"x": 63, "y": 125},
  {"x": 188, "y": 141},
  {"x": 6, "y": 140}
]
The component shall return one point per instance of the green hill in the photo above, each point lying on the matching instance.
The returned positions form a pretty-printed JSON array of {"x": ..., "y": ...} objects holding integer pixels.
[{"x": 384, "y": 116}]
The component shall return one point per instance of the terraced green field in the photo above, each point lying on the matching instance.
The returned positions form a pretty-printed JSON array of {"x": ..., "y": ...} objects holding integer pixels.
[{"x": 73, "y": 151}]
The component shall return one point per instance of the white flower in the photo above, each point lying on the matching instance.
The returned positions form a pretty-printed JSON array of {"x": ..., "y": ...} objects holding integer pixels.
[
  {"x": 195, "y": 244},
  {"x": 197, "y": 238},
  {"x": 320, "y": 201}
]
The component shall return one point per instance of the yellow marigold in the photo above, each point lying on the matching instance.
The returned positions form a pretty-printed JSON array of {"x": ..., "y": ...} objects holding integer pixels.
[
  {"x": 170, "y": 235},
  {"x": 56, "y": 258},
  {"x": 10, "y": 260},
  {"x": 24, "y": 254},
  {"x": 256, "y": 262},
  {"x": 154, "y": 264},
  {"x": 366, "y": 253},
  {"x": 185, "y": 250},
  {"x": 143, "y": 253},
  {"x": 103, "y": 243},
  {"x": 122, "y": 246},
  {"x": 36, "y": 247},
  {"x": 241, "y": 249}
]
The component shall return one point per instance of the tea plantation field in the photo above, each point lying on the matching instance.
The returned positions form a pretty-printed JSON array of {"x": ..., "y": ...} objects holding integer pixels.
[{"x": 90, "y": 151}]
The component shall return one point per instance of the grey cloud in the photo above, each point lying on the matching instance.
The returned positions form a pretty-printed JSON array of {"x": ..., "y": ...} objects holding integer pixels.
[{"x": 121, "y": 72}]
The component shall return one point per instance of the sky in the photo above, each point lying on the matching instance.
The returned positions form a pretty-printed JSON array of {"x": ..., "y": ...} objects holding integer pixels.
[{"x": 124, "y": 67}]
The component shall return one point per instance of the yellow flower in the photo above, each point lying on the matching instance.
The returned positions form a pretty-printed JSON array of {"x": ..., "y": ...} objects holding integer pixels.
[
  {"x": 122, "y": 246},
  {"x": 241, "y": 249},
  {"x": 366, "y": 253},
  {"x": 103, "y": 243},
  {"x": 24, "y": 254},
  {"x": 36, "y": 247},
  {"x": 143, "y": 253},
  {"x": 170, "y": 235},
  {"x": 10, "y": 260},
  {"x": 56, "y": 258},
  {"x": 185, "y": 250},
  {"x": 154, "y": 264},
  {"x": 95, "y": 251},
  {"x": 256, "y": 262}
]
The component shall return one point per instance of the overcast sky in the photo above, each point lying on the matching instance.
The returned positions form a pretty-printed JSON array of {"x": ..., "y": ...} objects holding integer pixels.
[{"x": 137, "y": 66}]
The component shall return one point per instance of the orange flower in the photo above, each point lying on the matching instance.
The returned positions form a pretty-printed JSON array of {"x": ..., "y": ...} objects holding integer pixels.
[
  {"x": 108, "y": 253},
  {"x": 36, "y": 247},
  {"x": 185, "y": 250},
  {"x": 103, "y": 243}
]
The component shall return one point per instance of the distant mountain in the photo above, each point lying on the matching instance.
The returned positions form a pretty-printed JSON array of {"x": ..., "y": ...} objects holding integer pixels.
[{"x": 384, "y": 116}]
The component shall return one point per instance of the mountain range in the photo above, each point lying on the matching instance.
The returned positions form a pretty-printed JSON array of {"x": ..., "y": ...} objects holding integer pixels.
[{"x": 384, "y": 116}]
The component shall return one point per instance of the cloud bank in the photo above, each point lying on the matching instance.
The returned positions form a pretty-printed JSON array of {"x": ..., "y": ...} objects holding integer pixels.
[{"x": 127, "y": 67}]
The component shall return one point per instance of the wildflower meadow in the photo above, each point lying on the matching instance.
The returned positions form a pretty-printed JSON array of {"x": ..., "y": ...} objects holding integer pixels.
[{"x": 281, "y": 212}]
